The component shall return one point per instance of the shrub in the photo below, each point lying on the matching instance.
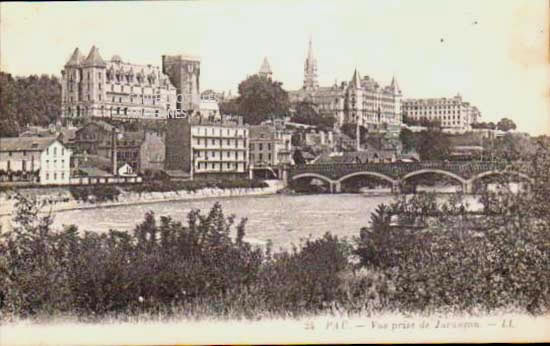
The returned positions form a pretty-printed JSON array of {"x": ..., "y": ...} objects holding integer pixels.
[{"x": 457, "y": 261}]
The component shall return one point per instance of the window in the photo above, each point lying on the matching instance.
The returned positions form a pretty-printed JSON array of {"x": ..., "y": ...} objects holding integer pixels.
[
  {"x": 261, "y": 157},
  {"x": 269, "y": 157},
  {"x": 261, "y": 147},
  {"x": 62, "y": 175},
  {"x": 47, "y": 176},
  {"x": 251, "y": 146},
  {"x": 268, "y": 146},
  {"x": 228, "y": 165},
  {"x": 9, "y": 153},
  {"x": 55, "y": 176},
  {"x": 54, "y": 151}
]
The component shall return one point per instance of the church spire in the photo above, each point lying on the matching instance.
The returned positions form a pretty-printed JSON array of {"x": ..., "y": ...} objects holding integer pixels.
[
  {"x": 310, "y": 50},
  {"x": 394, "y": 86},
  {"x": 356, "y": 80},
  {"x": 310, "y": 69},
  {"x": 265, "y": 69}
]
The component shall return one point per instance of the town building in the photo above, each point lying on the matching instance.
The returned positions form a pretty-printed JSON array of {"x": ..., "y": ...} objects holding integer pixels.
[
  {"x": 184, "y": 72},
  {"x": 34, "y": 159},
  {"x": 269, "y": 145},
  {"x": 454, "y": 114},
  {"x": 201, "y": 147},
  {"x": 94, "y": 87},
  {"x": 361, "y": 100},
  {"x": 142, "y": 150}
]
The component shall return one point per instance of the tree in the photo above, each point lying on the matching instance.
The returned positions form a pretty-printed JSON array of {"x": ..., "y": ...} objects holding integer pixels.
[
  {"x": 26, "y": 101},
  {"x": 506, "y": 125},
  {"x": 408, "y": 139},
  {"x": 306, "y": 114},
  {"x": 350, "y": 130},
  {"x": 229, "y": 107},
  {"x": 298, "y": 157},
  {"x": 433, "y": 145},
  {"x": 260, "y": 99}
]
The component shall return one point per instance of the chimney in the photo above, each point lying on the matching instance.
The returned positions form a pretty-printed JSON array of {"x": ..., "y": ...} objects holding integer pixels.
[{"x": 113, "y": 151}]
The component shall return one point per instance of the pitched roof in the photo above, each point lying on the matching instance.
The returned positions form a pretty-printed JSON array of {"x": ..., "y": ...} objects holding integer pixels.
[
  {"x": 104, "y": 125},
  {"x": 94, "y": 172},
  {"x": 75, "y": 59},
  {"x": 99, "y": 162},
  {"x": 26, "y": 143},
  {"x": 94, "y": 59}
]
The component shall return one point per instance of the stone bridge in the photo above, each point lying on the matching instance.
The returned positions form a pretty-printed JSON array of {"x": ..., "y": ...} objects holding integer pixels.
[{"x": 466, "y": 173}]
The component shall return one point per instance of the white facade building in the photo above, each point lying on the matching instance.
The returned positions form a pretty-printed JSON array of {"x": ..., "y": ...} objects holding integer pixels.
[
  {"x": 455, "y": 114},
  {"x": 29, "y": 158}
]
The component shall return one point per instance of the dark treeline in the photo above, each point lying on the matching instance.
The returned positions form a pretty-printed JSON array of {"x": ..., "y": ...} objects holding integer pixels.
[{"x": 26, "y": 101}]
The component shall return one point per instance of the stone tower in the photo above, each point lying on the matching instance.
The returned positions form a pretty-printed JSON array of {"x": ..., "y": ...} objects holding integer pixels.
[
  {"x": 70, "y": 85},
  {"x": 184, "y": 73},
  {"x": 83, "y": 85},
  {"x": 310, "y": 70},
  {"x": 93, "y": 82}
]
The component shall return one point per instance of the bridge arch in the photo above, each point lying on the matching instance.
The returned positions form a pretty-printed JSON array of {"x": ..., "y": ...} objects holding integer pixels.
[
  {"x": 436, "y": 171},
  {"x": 367, "y": 173},
  {"x": 312, "y": 175},
  {"x": 484, "y": 174}
]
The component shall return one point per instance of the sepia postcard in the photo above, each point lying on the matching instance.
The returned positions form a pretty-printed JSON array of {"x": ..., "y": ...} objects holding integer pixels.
[{"x": 274, "y": 171}]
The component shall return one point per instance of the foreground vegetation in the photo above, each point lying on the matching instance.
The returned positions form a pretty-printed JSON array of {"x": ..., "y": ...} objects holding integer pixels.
[{"x": 417, "y": 256}]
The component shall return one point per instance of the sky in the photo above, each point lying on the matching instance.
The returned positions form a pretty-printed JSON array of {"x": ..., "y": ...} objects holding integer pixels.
[{"x": 495, "y": 53}]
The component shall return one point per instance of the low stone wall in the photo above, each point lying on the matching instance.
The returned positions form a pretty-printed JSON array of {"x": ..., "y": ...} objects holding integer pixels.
[{"x": 59, "y": 202}]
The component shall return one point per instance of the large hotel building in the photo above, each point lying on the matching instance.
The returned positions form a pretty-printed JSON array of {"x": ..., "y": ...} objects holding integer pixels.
[
  {"x": 455, "y": 114},
  {"x": 362, "y": 100},
  {"x": 94, "y": 87}
]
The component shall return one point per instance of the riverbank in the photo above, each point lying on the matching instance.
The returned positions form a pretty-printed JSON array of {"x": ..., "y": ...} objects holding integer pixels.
[{"x": 60, "y": 199}]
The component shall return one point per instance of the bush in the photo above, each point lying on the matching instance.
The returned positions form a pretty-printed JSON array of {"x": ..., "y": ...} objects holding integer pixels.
[
  {"x": 94, "y": 274},
  {"x": 305, "y": 279},
  {"x": 457, "y": 261}
]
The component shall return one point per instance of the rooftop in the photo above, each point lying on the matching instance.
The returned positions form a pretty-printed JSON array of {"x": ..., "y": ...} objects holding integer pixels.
[{"x": 26, "y": 143}]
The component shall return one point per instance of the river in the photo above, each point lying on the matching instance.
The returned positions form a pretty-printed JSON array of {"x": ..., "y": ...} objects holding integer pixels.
[{"x": 283, "y": 219}]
